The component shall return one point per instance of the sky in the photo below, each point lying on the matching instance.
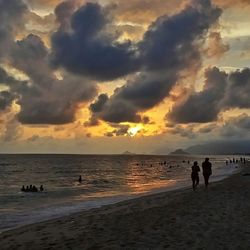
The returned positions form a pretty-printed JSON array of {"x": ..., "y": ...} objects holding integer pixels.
[{"x": 108, "y": 76}]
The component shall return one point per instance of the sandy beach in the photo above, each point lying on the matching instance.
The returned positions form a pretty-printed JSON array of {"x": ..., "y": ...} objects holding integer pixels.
[{"x": 216, "y": 218}]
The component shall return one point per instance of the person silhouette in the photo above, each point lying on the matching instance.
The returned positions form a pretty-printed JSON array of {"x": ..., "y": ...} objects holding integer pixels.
[
  {"x": 195, "y": 175},
  {"x": 41, "y": 188},
  {"x": 207, "y": 170},
  {"x": 80, "y": 179},
  {"x": 34, "y": 189}
]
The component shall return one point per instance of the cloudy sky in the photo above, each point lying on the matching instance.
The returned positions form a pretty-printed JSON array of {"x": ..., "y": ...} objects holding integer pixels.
[{"x": 108, "y": 76}]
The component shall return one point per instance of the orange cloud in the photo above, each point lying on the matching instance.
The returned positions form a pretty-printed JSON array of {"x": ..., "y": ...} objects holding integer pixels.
[
  {"x": 144, "y": 12},
  {"x": 43, "y": 4},
  {"x": 230, "y": 3},
  {"x": 216, "y": 48}
]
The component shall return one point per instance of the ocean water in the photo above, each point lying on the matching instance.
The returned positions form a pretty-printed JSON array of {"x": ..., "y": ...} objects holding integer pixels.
[{"x": 106, "y": 179}]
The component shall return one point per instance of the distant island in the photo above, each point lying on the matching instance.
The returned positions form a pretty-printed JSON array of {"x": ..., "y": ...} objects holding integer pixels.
[
  {"x": 128, "y": 153},
  {"x": 179, "y": 152}
]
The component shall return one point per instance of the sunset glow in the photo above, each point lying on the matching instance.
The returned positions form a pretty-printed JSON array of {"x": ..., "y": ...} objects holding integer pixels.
[
  {"x": 133, "y": 131},
  {"x": 96, "y": 73}
]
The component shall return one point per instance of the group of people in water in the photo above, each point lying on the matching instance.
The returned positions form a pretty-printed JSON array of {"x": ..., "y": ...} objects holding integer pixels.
[
  {"x": 32, "y": 188},
  {"x": 241, "y": 160},
  {"x": 206, "y": 171}
]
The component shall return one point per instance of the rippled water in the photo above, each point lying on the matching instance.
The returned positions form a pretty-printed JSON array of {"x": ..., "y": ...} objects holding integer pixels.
[{"x": 106, "y": 179}]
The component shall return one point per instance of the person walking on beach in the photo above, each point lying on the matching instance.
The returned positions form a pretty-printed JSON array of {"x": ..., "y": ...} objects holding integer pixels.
[
  {"x": 195, "y": 175},
  {"x": 207, "y": 170}
]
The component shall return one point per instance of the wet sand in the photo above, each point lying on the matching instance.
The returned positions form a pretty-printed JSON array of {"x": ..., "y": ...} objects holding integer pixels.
[{"x": 216, "y": 218}]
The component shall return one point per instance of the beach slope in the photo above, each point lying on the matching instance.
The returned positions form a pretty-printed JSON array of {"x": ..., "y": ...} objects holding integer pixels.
[{"x": 216, "y": 218}]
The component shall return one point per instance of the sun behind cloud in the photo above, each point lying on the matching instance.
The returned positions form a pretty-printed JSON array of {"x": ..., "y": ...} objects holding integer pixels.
[{"x": 134, "y": 130}]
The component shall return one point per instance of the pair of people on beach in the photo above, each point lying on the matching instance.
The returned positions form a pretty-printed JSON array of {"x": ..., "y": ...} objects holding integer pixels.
[{"x": 206, "y": 170}]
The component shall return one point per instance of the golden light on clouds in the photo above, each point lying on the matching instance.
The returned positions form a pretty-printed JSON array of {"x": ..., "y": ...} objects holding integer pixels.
[
  {"x": 137, "y": 47},
  {"x": 134, "y": 130}
]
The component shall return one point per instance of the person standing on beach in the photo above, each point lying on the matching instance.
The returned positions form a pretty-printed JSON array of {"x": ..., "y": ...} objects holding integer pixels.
[
  {"x": 195, "y": 175},
  {"x": 207, "y": 170}
]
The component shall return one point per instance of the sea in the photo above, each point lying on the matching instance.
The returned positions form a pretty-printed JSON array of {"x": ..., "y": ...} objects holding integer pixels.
[{"x": 106, "y": 179}]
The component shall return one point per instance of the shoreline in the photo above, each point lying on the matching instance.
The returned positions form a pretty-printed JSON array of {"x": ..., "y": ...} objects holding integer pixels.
[
  {"x": 138, "y": 223},
  {"x": 112, "y": 200}
]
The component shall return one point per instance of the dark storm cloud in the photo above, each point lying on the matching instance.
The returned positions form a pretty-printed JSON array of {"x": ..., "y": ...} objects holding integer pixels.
[
  {"x": 86, "y": 44},
  {"x": 97, "y": 106},
  {"x": 5, "y": 78},
  {"x": 11, "y": 14},
  {"x": 30, "y": 56},
  {"x": 222, "y": 91},
  {"x": 120, "y": 130},
  {"x": 43, "y": 99},
  {"x": 46, "y": 100},
  {"x": 144, "y": 93},
  {"x": 6, "y": 99},
  {"x": 182, "y": 131},
  {"x": 87, "y": 49},
  {"x": 120, "y": 111},
  {"x": 170, "y": 42},
  {"x": 237, "y": 94},
  {"x": 170, "y": 45},
  {"x": 203, "y": 106},
  {"x": 147, "y": 90}
]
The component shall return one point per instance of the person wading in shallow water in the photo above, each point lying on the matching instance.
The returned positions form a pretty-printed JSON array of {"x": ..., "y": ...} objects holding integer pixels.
[
  {"x": 80, "y": 179},
  {"x": 207, "y": 170},
  {"x": 195, "y": 175}
]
